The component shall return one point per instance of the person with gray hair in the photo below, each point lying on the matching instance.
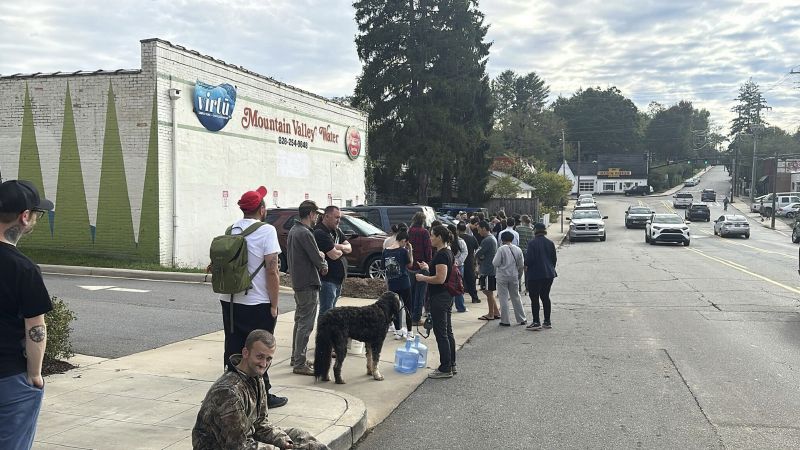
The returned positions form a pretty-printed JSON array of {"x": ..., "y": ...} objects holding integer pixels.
[{"x": 509, "y": 263}]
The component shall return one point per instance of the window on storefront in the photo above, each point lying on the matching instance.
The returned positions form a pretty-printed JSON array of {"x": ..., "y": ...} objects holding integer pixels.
[{"x": 608, "y": 187}]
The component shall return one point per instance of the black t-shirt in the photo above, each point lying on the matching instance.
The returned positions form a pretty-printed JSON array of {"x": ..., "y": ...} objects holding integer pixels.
[
  {"x": 22, "y": 296},
  {"x": 443, "y": 256},
  {"x": 472, "y": 245},
  {"x": 337, "y": 269}
]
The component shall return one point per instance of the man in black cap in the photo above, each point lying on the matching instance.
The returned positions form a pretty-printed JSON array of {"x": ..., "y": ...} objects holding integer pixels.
[{"x": 24, "y": 300}]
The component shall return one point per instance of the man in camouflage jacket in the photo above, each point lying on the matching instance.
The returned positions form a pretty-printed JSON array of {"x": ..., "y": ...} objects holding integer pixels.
[{"x": 234, "y": 413}]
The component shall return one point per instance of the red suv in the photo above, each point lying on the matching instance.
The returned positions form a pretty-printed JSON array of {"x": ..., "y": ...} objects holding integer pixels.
[{"x": 366, "y": 240}]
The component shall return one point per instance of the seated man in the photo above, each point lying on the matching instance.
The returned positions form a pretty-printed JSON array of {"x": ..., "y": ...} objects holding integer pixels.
[{"x": 234, "y": 412}]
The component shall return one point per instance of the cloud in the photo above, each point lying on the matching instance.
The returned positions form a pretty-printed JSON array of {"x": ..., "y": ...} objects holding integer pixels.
[{"x": 652, "y": 50}]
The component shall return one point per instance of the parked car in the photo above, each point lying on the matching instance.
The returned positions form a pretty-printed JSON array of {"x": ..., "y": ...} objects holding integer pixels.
[
  {"x": 384, "y": 217},
  {"x": 789, "y": 210},
  {"x": 667, "y": 228},
  {"x": 583, "y": 196},
  {"x": 682, "y": 200},
  {"x": 698, "y": 211},
  {"x": 636, "y": 216},
  {"x": 366, "y": 240},
  {"x": 691, "y": 182},
  {"x": 780, "y": 201},
  {"x": 585, "y": 224},
  {"x": 708, "y": 195},
  {"x": 732, "y": 225},
  {"x": 639, "y": 190}
]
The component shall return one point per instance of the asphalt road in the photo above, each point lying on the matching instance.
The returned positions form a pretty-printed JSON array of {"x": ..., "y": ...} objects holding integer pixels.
[
  {"x": 659, "y": 346},
  {"x": 118, "y": 316}
]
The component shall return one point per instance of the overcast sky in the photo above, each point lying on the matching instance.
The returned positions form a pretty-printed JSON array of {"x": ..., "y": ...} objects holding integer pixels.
[{"x": 662, "y": 51}]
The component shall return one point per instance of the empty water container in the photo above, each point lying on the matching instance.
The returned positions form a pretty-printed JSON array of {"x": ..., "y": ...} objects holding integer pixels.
[
  {"x": 423, "y": 352},
  {"x": 406, "y": 358}
]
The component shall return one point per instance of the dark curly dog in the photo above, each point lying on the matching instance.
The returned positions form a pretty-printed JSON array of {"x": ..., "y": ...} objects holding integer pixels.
[{"x": 367, "y": 324}]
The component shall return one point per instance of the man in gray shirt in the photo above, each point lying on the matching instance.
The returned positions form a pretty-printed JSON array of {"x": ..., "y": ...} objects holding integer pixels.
[
  {"x": 485, "y": 255},
  {"x": 306, "y": 263}
]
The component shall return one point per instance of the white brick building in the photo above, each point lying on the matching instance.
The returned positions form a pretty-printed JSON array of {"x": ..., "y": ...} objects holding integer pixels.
[{"x": 134, "y": 173}]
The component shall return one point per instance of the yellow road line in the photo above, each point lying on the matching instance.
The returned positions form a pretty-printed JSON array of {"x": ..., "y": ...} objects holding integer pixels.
[{"x": 741, "y": 269}]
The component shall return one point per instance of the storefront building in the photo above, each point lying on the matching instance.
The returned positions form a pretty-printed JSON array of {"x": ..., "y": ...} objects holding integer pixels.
[
  {"x": 609, "y": 174},
  {"x": 148, "y": 164}
]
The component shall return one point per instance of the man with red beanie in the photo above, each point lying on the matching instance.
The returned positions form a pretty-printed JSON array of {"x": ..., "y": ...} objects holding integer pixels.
[{"x": 256, "y": 308}]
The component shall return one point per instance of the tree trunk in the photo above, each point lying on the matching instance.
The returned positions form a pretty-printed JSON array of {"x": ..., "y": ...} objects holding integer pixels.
[
  {"x": 447, "y": 185},
  {"x": 422, "y": 189}
]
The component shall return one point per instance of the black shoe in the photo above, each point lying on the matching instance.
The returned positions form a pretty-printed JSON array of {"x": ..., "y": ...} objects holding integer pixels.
[
  {"x": 476, "y": 300},
  {"x": 505, "y": 324},
  {"x": 453, "y": 369},
  {"x": 273, "y": 401},
  {"x": 546, "y": 324},
  {"x": 524, "y": 322}
]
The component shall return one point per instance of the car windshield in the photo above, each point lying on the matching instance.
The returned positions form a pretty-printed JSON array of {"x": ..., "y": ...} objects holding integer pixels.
[
  {"x": 640, "y": 211},
  {"x": 684, "y": 195},
  {"x": 593, "y": 214},
  {"x": 667, "y": 219},
  {"x": 360, "y": 226}
]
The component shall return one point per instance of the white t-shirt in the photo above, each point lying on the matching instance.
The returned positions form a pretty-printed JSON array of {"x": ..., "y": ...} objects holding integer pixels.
[{"x": 262, "y": 242}]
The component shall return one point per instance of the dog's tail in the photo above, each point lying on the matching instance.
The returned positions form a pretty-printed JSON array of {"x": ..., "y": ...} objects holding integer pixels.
[{"x": 322, "y": 353}]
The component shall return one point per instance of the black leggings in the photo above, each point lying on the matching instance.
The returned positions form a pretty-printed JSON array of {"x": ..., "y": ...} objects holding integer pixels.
[
  {"x": 405, "y": 296},
  {"x": 540, "y": 289},
  {"x": 246, "y": 318},
  {"x": 441, "y": 305}
]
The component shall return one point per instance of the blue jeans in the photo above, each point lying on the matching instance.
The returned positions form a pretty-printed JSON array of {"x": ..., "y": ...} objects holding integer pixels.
[
  {"x": 329, "y": 292},
  {"x": 419, "y": 290},
  {"x": 19, "y": 409},
  {"x": 459, "y": 299}
]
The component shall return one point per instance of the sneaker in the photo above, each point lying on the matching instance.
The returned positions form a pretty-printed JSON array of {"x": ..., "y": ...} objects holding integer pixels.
[
  {"x": 546, "y": 324},
  {"x": 398, "y": 335},
  {"x": 391, "y": 328},
  {"x": 453, "y": 369},
  {"x": 273, "y": 401},
  {"x": 535, "y": 326},
  {"x": 505, "y": 324},
  {"x": 524, "y": 322},
  {"x": 465, "y": 310},
  {"x": 303, "y": 370},
  {"x": 436, "y": 374},
  {"x": 476, "y": 300}
]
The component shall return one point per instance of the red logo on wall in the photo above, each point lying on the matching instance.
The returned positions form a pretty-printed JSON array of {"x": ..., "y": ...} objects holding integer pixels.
[{"x": 352, "y": 143}]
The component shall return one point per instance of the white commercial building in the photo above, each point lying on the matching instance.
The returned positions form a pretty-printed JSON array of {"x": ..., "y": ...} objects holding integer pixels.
[{"x": 148, "y": 164}]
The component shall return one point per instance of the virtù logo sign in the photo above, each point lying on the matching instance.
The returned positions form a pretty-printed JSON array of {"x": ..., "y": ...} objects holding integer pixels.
[{"x": 214, "y": 104}]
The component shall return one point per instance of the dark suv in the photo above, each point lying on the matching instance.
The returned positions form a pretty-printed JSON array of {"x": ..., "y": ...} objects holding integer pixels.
[
  {"x": 698, "y": 211},
  {"x": 384, "y": 217},
  {"x": 639, "y": 190},
  {"x": 708, "y": 195},
  {"x": 365, "y": 238}
]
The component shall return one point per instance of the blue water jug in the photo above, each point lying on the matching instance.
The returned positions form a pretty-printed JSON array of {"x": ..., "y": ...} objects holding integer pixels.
[
  {"x": 423, "y": 352},
  {"x": 406, "y": 359}
]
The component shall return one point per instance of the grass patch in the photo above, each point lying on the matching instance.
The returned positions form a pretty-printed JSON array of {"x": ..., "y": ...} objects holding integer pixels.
[{"x": 63, "y": 258}]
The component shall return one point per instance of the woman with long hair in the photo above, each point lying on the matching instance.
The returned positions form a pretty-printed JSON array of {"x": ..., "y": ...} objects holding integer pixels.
[
  {"x": 440, "y": 300},
  {"x": 459, "y": 249}
]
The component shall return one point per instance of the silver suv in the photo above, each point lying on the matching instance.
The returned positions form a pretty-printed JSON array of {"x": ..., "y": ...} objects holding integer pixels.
[{"x": 682, "y": 200}]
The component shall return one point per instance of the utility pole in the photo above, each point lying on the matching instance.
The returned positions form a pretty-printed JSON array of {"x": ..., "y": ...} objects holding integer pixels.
[
  {"x": 754, "y": 128},
  {"x": 564, "y": 156},
  {"x": 579, "y": 169}
]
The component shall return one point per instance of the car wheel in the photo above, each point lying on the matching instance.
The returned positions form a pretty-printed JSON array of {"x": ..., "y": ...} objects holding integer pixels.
[
  {"x": 789, "y": 215},
  {"x": 375, "y": 268},
  {"x": 685, "y": 243},
  {"x": 646, "y": 237},
  {"x": 795, "y": 236},
  {"x": 715, "y": 232},
  {"x": 603, "y": 238},
  {"x": 747, "y": 236},
  {"x": 626, "y": 225}
]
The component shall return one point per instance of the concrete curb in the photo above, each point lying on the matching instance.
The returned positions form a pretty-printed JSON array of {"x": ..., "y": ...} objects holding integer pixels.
[{"x": 125, "y": 273}]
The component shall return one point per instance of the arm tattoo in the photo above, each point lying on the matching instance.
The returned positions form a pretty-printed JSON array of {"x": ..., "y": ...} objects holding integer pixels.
[
  {"x": 272, "y": 262},
  {"x": 37, "y": 333}
]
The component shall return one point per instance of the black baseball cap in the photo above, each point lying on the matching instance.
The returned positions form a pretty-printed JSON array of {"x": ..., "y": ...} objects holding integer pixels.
[{"x": 17, "y": 196}]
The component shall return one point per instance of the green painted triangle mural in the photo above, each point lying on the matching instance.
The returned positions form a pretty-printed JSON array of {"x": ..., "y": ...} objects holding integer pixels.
[
  {"x": 30, "y": 168},
  {"x": 148, "y": 223},
  {"x": 71, "y": 228},
  {"x": 114, "y": 227}
]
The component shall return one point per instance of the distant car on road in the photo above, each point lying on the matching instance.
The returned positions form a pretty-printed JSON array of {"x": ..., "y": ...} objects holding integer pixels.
[
  {"x": 666, "y": 228},
  {"x": 732, "y": 225},
  {"x": 698, "y": 211},
  {"x": 682, "y": 200},
  {"x": 586, "y": 203},
  {"x": 708, "y": 195},
  {"x": 691, "y": 182},
  {"x": 583, "y": 196},
  {"x": 637, "y": 216}
]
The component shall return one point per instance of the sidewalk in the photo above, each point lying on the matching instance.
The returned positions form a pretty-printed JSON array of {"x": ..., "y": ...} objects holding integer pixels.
[{"x": 149, "y": 400}]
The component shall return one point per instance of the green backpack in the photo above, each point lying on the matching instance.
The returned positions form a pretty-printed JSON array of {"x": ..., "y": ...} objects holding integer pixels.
[{"x": 229, "y": 274}]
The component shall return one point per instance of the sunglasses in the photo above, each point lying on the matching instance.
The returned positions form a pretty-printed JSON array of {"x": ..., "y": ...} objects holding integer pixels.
[{"x": 38, "y": 213}]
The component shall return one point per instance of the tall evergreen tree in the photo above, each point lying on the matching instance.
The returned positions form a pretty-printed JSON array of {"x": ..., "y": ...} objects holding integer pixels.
[
  {"x": 424, "y": 84},
  {"x": 748, "y": 110}
]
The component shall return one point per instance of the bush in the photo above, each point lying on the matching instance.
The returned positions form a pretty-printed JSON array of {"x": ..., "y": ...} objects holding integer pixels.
[{"x": 58, "y": 329}]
